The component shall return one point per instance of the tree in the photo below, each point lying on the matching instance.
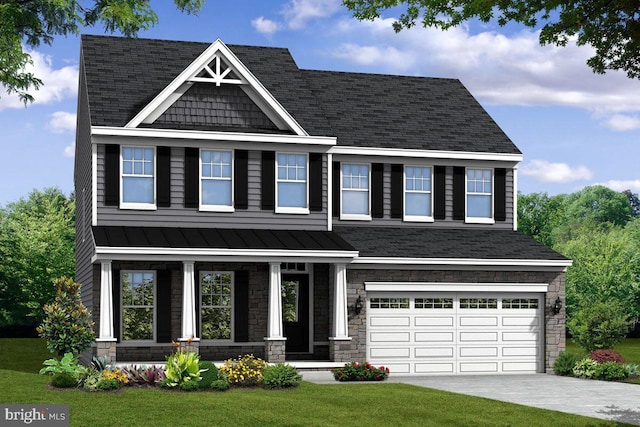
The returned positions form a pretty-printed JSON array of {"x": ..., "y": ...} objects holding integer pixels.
[
  {"x": 539, "y": 215},
  {"x": 611, "y": 27},
  {"x": 600, "y": 204},
  {"x": 37, "y": 242},
  {"x": 599, "y": 326},
  {"x": 634, "y": 201},
  {"x": 33, "y": 22}
]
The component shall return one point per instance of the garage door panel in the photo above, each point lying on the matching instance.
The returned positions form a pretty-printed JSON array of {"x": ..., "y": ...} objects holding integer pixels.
[
  {"x": 478, "y": 351},
  {"x": 434, "y": 368},
  {"x": 434, "y": 321},
  {"x": 519, "y": 366},
  {"x": 519, "y": 336},
  {"x": 423, "y": 352},
  {"x": 389, "y": 337},
  {"x": 390, "y": 321},
  {"x": 434, "y": 337},
  {"x": 398, "y": 368},
  {"x": 520, "y": 321},
  {"x": 478, "y": 336},
  {"x": 478, "y": 321},
  {"x": 391, "y": 352},
  {"x": 520, "y": 351},
  {"x": 478, "y": 367}
]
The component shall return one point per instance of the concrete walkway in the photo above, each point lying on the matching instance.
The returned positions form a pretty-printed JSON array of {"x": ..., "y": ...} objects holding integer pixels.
[{"x": 598, "y": 399}]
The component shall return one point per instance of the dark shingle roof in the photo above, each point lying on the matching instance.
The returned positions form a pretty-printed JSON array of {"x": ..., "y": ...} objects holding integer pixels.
[
  {"x": 365, "y": 110},
  {"x": 463, "y": 243}
]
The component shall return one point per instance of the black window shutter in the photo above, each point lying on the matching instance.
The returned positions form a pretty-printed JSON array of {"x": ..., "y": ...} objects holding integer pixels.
[
  {"x": 459, "y": 193},
  {"x": 439, "y": 188},
  {"x": 191, "y": 172},
  {"x": 163, "y": 308},
  {"x": 164, "y": 177},
  {"x": 241, "y": 178},
  {"x": 111, "y": 175},
  {"x": 268, "y": 180},
  {"x": 315, "y": 182},
  {"x": 500, "y": 198},
  {"x": 115, "y": 291},
  {"x": 241, "y": 306},
  {"x": 336, "y": 189},
  {"x": 397, "y": 198},
  {"x": 377, "y": 190}
]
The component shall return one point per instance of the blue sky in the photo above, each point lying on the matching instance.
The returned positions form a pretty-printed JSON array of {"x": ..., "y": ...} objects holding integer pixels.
[{"x": 575, "y": 128}]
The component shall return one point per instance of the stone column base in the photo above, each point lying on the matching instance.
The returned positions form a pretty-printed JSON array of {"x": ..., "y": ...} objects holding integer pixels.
[
  {"x": 340, "y": 350},
  {"x": 106, "y": 348},
  {"x": 274, "y": 350},
  {"x": 190, "y": 345}
]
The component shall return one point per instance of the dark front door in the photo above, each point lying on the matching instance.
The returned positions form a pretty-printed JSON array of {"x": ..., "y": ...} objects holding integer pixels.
[{"x": 295, "y": 311}]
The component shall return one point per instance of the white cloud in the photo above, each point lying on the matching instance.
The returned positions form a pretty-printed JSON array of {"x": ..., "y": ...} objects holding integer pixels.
[
  {"x": 542, "y": 170},
  {"x": 298, "y": 12},
  {"x": 265, "y": 26},
  {"x": 70, "y": 150},
  {"x": 62, "y": 122},
  {"x": 58, "y": 84},
  {"x": 621, "y": 185},
  {"x": 497, "y": 69}
]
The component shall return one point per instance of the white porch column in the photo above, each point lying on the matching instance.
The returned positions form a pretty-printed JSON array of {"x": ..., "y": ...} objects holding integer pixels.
[
  {"x": 106, "y": 303},
  {"x": 275, "y": 328},
  {"x": 188, "y": 302},
  {"x": 340, "y": 314}
]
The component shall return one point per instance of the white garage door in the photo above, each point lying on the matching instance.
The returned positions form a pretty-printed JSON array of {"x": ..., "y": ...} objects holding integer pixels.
[{"x": 455, "y": 333}]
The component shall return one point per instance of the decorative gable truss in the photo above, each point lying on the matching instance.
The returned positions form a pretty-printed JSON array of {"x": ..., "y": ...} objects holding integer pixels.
[{"x": 218, "y": 66}]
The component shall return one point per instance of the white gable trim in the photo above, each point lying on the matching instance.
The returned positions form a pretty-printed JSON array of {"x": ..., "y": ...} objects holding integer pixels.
[
  {"x": 464, "y": 262},
  {"x": 454, "y": 287},
  {"x": 274, "y": 110}
]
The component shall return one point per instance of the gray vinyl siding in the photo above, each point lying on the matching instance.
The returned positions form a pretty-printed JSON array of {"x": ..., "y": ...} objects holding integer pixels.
[
  {"x": 179, "y": 216},
  {"x": 387, "y": 221},
  {"x": 83, "y": 190}
]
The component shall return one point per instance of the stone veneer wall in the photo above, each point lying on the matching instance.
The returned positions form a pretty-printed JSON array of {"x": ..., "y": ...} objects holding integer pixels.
[{"x": 554, "y": 324}]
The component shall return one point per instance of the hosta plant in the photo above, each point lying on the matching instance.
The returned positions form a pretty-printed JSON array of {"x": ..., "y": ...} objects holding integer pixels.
[
  {"x": 585, "y": 368},
  {"x": 182, "y": 366},
  {"x": 356, "y": 371},
  {"x": 68, "y": 364},
  {"x": 245, "y": 371}
]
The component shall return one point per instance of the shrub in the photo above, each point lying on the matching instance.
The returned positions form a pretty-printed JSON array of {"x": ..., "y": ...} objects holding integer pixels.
[
  {"x": 632, "y": 369},
  {"x": 219, "y": 385},
  {"x": 116, "y": 374},
  {"x": 68, "y": 364},
  {"x": 64, "y": 380},
  {"x": 602, "y": 356},
  {"x": 67, "y": 324},
  {"x": 610, "y": 371},
  {"x": 108, "y": 384},
  {"x": 209, "y": 374},
  {"x": 280, "y": 376},
  {"x": 564, "y": 363},
  {"x": 182, "y": 367},
  {"x": 599, "y": 326},
  {"x": 190, "y": 386},
  {"x": 144, "y": 375},
  {"x": 585, "y": 368},
  {"x": 244, "y": 371},
  {"x": 90, "y": 382},
  {"x": 356, "y": 371}
]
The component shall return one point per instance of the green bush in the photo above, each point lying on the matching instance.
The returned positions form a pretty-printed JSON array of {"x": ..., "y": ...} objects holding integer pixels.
[
  {"x": 632, "y": 369},
  {"x": 108, "y": 384},
  {"x": 67, "y": 324},
  {"x": 280, "y": 376},
  {"x": 182, "y": 367},
  {"x": 610, "y": 371},
  {"x": 219, "y": 385},
  {"x": 585, "y": 368},
  {"x": 190, "y": 386},
  {"x": 356, "y": 371},
  {"x": 91, "y": 381},
  {"x": 209, "y": 374},
  {"x": 68, "y": 364},
  {"x": 565, "y": 363},
  {"x": 599, "y": 326},
  {"x": 64, "y": 380}
]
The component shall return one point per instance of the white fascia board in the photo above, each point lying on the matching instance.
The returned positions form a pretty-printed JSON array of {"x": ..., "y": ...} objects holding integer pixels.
[
  {"x": 425, "y": 154},
  {"x": 108, "y": 131},
  {"x": 465, "y": 262},
  {"x": 454, "y": 287},
  {"x": 160, "y": 101}
]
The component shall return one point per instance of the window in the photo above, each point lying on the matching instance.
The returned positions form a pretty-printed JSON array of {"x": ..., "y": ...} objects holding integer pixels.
[
  {"x": 138, "y": 178},
  {"x": 138, "y": 302},
  {"x": 215, "y": 180},
  {"x": 389, "y": 303},
  {"x": 520, "y": 303},
  {"x": 290, "y": 295},
  {"x": 417, "y": 188},
  {"x": 216, "y": 295},
  {"x": 355, "y": 192},
  {"x": 291, "y": 183},
  {"x": 438, "y": 303},
  {"x": 481, "y": 303},
  {"x": 479, "y": 195}
]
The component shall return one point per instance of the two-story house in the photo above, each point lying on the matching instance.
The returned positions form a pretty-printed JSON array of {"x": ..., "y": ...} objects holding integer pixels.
[{"x": 227, "y": 197}]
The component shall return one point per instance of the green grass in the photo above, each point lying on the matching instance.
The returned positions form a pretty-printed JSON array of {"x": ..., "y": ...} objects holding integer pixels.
[
  {"x": 309, "y": 405},
  {"x": 629, "y": 349},
  {"x": 23, "y": 354}
]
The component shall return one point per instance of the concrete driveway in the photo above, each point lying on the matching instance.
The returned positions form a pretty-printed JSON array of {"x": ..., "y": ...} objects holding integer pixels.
[{"x": 598, "y": 399}]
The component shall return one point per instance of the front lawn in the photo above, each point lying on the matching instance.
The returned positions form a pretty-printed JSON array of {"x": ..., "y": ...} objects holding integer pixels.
[
  {"x": 309, "y": 405},
  {"x": 629, "y": 349}
]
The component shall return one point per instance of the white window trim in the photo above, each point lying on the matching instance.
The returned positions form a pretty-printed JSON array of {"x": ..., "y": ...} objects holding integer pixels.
[
  {"x": 479, "y": 220},
  {"x": 155, "y": 307},
  {"x": 139, "y": 206},
  {"x": 416, "y": 218},
  {"x": 355, "y": 217},
  {"x": 215, "y": 208},
  {"x": 233, "y": 291},
  {"x": 292, "y": 210}
]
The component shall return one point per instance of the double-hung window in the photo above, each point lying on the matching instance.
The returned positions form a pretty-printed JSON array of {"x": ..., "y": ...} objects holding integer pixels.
[
  {"x": 356, "y": 200},
  {"x": 138, "y": 178},
  {"x": 417, "y": 192},
  {"x": 138, "y": 305},
  {"x": 216, "y": 296},
  {"x": 291, "y": 183},
  {"x": 216, "y": 182},
  {"x": 479, "y": 195}
]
